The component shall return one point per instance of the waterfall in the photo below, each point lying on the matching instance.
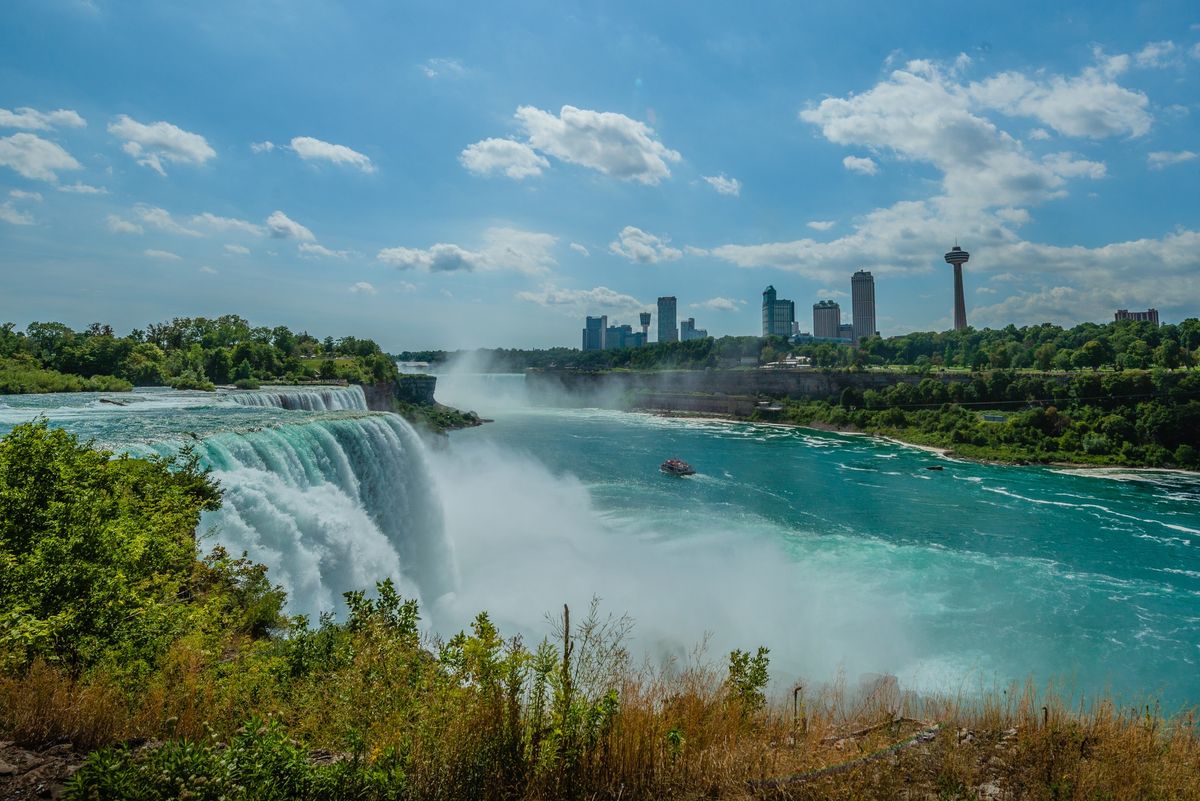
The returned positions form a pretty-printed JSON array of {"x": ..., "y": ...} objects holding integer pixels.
[
  {"x": 330, "y": 505},
  {"x": 309, "y": 399}
]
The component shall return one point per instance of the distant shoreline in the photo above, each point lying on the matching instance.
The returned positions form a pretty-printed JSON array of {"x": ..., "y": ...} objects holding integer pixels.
[{"x": 945, "y": 453}]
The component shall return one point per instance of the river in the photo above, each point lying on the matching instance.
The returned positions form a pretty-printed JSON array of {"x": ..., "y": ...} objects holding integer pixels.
[{"x": 842, "y": 554}]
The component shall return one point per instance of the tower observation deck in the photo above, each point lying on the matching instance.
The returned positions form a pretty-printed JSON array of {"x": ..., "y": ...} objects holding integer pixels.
[{"x": 958, "y": 257}]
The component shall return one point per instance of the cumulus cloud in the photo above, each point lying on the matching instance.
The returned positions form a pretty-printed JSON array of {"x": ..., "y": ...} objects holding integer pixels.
[
  {"x": 640, "y": 246},
  {"x": 574, "y": 302},
  {"x": 162, "y": 220},
  {"x": 21, "y": 194},
  {"x": 80, "y": 188},
  {"x": 442, "y": 68},
  {"x": 723, "y": 185},
  {"x": 262, "y": 147},
  {"x": 580, "y": 249},
  {"x": 821, "y": 225},
  {"x": 161, "y": 254},
  {"x": 718, "y": 304},
  {"x": 152, "y": 145},
  {"x": 1165, "y": 158},
  {"x": 33, "y": 120},
  {"x": 10, "y": 214},
  {"x": 35, "y": 158},
  {"x": 208, "y": 270},
  {"x": 363, "y": 288},
  {"x": 210, "y": 220},
  {"x": 831, "y": 293},
  {"x": 120, "y": 226},
  {"x": 313, "y": 249},
  {"x": 281, "y": 226},
  {"x": 504, "y": 249},
  {"x": 240, "y": 250},
  {"x": 860, "y": 164},
  {"x": 925, "y": 113},
  {"x": 515, "y": 159},
  {"x": 605, "y": 141},
  {"x": 311, "y": 149}
]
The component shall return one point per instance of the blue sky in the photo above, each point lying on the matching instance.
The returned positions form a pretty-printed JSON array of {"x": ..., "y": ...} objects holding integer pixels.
[{"x": 461, "y": 175}]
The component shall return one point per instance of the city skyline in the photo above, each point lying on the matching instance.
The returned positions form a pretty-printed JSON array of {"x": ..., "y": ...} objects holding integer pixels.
[{"x": 408, "y": 180}]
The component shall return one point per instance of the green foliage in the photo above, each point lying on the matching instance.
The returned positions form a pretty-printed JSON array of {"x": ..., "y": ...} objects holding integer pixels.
[{"x": 748, "y": 677}]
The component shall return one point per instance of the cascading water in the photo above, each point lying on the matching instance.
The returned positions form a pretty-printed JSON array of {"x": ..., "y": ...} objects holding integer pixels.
[
  {"x": 330, "y": 497},
  {"x": 320, "y": 399}
]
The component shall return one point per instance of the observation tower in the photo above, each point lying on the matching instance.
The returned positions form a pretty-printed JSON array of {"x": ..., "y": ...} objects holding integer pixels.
[{"x": 958, "y": 257}]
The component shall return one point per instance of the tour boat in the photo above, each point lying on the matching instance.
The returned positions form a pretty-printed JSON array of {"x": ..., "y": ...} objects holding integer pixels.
[{"x": 676, "y": 467}]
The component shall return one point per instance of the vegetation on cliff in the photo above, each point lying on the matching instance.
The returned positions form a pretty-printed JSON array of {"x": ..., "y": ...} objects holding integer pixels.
[
  {"x": 182, "y": 678},
  {"x": 185, "y": 353}
]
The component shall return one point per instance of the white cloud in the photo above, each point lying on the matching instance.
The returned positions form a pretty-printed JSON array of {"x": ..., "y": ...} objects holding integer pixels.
[
  {"x": 208, "y": 270},
  {"x": 33, "y": 120},
  {"x": 79, "y": 188},
  {"x": 718, "y": 304},
  {"x": 831, "y": 293},
  {"x": 1004, "y": 277},
  {"x": 262, "y": 147},
  {"x": 1156, "y": 54},
  {"x": 575, "y": 302},
  {"x": 580, "y": 249},
  {"x": 1071, "y": 165},
  {"x": 210, "y": 220},
  {"x": 1039, "y": 135},
  {"x": 859, "y": 164},
  {"x": 120, "y": 226},
  {"x": 311, "y": 149},
  {"x": 161, "y": 254},
  {"x": 363, "y": 288},
  {"x": 986, "y": 290},
  {"x": 405, "y": 286},
  {"x": 151, "y": 145},
  {"x": 283, "y": 227},
  {"x": 35, "y": 158},
  {"x": 14, "y": 216},
  {"x": 610, "y": 143},
  {"x": 1090, "y": 104},
  {"x": 240, "y": 250},
  {"x": 442, "y": 68},
  {"x": 1195, "y": 51},
  {"x": 637, "y": 245},
  {"x": 162, "y": 220},
  {"x": 1165, "y": 158},
  {"x": 21, "y": 194},
  {"x": 821, "y": 225},
  {"x": 504, "y": 249},
  {"x": 515, "y": 159},
  {"x": 723, "y": 185},
  {"x": 313, "y": 249}
]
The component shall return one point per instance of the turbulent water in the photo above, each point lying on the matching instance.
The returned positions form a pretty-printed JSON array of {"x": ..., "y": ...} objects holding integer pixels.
[
  {"x": 838, "y": 552},
  {"x": 841, "y": 554}
]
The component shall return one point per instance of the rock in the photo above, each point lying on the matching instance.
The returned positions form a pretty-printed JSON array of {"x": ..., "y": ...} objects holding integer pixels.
[
  {"x": 7, "y": 769},
  {"x": 989, "y": 792}
]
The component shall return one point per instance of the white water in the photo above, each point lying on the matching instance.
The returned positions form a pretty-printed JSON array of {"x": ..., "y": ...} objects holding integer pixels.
[{"x": 316, "y": 399}]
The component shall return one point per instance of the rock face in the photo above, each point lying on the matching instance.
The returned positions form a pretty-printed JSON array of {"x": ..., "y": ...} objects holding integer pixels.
[{"x": 414, "y": 389}]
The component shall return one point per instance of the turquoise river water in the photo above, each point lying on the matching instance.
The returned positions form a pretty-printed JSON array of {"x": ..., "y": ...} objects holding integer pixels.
[{"x": 840, "y": 553}]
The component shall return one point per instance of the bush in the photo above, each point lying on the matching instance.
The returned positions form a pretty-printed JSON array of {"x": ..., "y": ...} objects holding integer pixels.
[{"x": 191, "y": 379}]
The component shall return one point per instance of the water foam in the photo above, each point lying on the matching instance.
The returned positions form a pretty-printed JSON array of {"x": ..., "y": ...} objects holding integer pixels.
[{"x": 308, "y": 399}]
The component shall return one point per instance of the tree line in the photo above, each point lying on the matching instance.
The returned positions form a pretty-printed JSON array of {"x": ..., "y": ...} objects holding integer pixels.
[{"x": 186, "y": 353}]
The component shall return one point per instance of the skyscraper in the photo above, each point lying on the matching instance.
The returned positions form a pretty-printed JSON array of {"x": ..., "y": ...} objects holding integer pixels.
[
  {"x": 862, "y": 304},
  {"x": 688, "y": 330},
  {"x": 827, "y": 319},
  {"x": 667, "y": 330},
  {"x": 778, "y": 315},
  {"x": 958, "y": 257},
  {"x": 594, "y": 332}
]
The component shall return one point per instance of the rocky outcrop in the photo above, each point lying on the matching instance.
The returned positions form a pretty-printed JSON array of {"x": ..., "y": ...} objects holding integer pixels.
[{"x": 416, "y": 390}]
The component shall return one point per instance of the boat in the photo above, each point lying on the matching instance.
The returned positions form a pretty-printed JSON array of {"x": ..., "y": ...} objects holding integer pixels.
[{"x": 676, "y": 467}]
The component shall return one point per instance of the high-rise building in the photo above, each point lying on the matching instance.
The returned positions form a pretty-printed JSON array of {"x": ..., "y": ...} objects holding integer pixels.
[
  {"x": 618, "y": 336},
  {"x": 958, "y": 257},
  {"x": 1147, "y": 316},
  {"x": 827, "y": 319},
  {"x": 645, "y": 319},
  {"x": 688, "y": 330},
  {"x": 667, "y": 330},
  {"x": 846, "y": 331},
  {"x": 594, "y": 332},
  {"x": 778, "y": 315},
  {"x": 862, "y": 305}
]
